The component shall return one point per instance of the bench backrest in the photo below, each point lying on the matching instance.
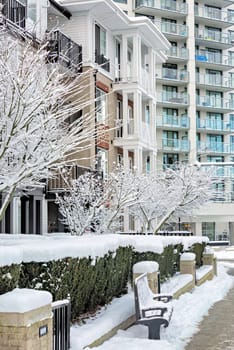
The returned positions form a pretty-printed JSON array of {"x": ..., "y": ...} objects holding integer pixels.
[{"x": 143, "y": 294}]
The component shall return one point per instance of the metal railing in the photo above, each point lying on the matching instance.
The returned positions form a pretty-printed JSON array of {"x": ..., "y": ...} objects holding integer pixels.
[
  {"x": 209, "y": 124},
  {"x": 174, "y": 74},
  {"x": 62, "y": 48},
  {"x": 213, "y": 102},
  {"x": 178, "y": 52},
  {"x": 15, "y": 11},
  {"x": 214, "y": 14},
  {"x": 213, "y": 147},
  {"x": 61, "y": 324},
  {"x": 175, "y": 144},
  {"x": 175, "y": 98},
  {"x": 213, "y": 57},
  {"x": 174, "y": 121},
  {"x": 210, "y": 35},
  {"x": 214, "y": 80},
  {"x": 172, "y": 28},
  {"x": 169, "y": 5}
]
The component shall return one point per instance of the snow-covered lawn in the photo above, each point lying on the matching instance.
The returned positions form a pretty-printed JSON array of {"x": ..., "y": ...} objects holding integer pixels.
[{"x": 189, "y": 310}]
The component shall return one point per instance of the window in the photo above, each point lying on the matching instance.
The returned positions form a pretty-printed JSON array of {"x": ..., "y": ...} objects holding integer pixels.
[
  {"x": 101, "y": 105},
  {"x": 147, "y": 114},
  {"x": 100, "y": 40},
  {"x": 170, "y": 138},
  {"x": 102, "y": 161},
  {"x": 214, "y": 121},
  {"x": 231, "y": 58},
  {"x": 208, "y": 229},
  {"x": 168, "y": 25},
  {"x": 231, "y": 15},
  {"x": 32, "y": 10},
  {"x": 169, "y": 159}
]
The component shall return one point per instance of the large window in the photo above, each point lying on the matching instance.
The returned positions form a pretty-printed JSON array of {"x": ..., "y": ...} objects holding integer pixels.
[
  {"x": 100, "y": 40},
  {"x": 101, "y": 105},
  {"x": 208, "y": 229},
  {"x": 32, "y": 10}
]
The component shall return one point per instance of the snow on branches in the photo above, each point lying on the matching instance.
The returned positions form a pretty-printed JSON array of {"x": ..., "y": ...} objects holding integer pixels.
[
  {"x": 37, "y": 100},
  {"x": 94, "y": 204}
]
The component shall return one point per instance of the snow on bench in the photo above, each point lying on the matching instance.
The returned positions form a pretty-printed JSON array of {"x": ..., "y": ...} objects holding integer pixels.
[{"x": 152, "y": 310}]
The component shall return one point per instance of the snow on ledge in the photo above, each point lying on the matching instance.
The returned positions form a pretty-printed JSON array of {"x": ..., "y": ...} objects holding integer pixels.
[
  {"x": 145, "y": 266},
  {"x": 24, "y": 300},
  {"x": 15, "y": 249},
  {"x": 187, "y": 257},
  {"x": 202, "y": 271},
  {"x": 175, "y": 283}
]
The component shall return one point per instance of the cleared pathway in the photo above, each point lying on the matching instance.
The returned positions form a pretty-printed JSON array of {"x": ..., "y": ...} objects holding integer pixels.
[{"x": 217, "y": 329}]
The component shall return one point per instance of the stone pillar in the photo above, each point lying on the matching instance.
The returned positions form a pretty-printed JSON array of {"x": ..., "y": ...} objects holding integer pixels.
[
  {"x": 26, "y": 320},
  {"x": 151, "y": 267},
  {"x": 187, "y": 265},
  {"x": 16, "y": 215},
  {"x": 209, "y": 259}
]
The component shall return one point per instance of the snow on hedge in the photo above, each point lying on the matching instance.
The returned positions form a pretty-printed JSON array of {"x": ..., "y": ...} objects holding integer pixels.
[{"x": 15, "y": 249}]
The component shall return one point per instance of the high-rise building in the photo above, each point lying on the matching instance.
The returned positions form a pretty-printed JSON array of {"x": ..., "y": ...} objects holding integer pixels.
[{"x": 195, "y": 97}]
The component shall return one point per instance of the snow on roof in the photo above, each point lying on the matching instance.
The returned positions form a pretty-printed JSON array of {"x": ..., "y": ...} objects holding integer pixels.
[
  {"x": 23, "y": 300},
  {"x": 15, "y": 249}
]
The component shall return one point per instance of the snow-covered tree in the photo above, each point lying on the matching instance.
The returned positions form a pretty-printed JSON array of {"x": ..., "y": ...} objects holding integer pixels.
[
  {"x": 92, "y": 203},
  {"x": 173, "y": 193},
  {"x": 36, "y": 101}
]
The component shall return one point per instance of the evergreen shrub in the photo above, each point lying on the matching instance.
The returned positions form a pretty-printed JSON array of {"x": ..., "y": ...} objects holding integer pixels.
[{"x": 89, "y": 283}]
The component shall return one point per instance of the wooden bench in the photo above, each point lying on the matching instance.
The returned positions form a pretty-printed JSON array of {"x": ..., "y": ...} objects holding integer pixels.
[{"x": 152, "y": 310}]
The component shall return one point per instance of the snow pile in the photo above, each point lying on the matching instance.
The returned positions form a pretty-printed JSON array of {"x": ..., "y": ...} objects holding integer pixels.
[
  {"x": 15, "y": 249},
  {"x": 189, "y": 310},
  {"x": 23, "y": 300}
]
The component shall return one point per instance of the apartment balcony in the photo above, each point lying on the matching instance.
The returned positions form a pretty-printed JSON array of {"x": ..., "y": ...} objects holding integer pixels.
[
  {"x": 214, "y": 82},
  {"x": 213, "y": 17},
  {"x": 223, "y": 196},
  {"x": 220, "y": 171},
  {"x": 218, "y": 3},
  {"x": 103, "y": 61},
  {"x": 213, "y": 60},
  {"x": 64, "y": 50},
  {"x": 214, "y": 104},
  {"x": 213, "y": 39},
  {"x": 168, "y": 8},
  {"x": 175, "y": 77},
  {"x": 171, "y": 145},
  {"x": 173, "y": 31},
  {"x": 173, "y": 122},
  {"x": 145, "y": 133},
  {"x": 177, "y": 54},
  {"x": 216, "y": 126},
  {"x": 210, "y": 147},
  {"x": 173, "y": 99},
  {"x": 14, "y": 12},
  {"x": 58, "y": 182}
]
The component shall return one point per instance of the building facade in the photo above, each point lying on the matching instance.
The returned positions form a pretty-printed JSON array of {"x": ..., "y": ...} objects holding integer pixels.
[
  {"x": 195, "y": 94},
  {"x": 119, "y": 59}
]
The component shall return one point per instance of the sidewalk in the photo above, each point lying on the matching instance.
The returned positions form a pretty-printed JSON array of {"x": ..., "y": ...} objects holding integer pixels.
[{"x": 217, "y": 328}]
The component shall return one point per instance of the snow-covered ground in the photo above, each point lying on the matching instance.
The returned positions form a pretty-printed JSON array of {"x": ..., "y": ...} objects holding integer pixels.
[{"x": 189, "y": 310}]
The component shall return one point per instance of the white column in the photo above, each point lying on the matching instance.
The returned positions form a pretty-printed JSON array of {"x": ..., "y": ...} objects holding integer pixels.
[
  {"x": 137, "y": 57},
  {"x": 125, "y": 158},
  {"x": 138, "y": 159},
  {"x": 125, "y": 115},
  {"x": 137, "y": 112},
  {"x": 44, "y": 216},
  {"x": 124, "y": 57},
  {"x": 16, "y": 215},
  {"x": 153, "y": 162}
]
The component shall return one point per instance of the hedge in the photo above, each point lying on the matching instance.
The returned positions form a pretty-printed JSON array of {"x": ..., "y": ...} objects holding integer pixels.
[{"x": 90, "y": 285}]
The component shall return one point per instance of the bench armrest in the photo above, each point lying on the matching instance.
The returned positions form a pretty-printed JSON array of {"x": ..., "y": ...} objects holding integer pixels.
[
  {"x": 163, "y": 297},
  {"x": 154, "y": 312}
]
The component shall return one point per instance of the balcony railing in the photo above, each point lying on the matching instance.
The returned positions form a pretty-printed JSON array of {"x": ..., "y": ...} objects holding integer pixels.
[
  {"x": 102, "y": 60},
  {"x": 174, "y": 121},
  {"x": 178, "y": 52},
  {"x": 172, "y": 28},
  {"x": 175, "y": 98},
  {"x": 169, "y": 5},
  {"x": 61, "y": 48},
  {"x": 213, "y": 147},
  {"x": 119, "y": 132},
  {"x": 15, "y": 11},
  {"x": 214, "y": 80},
  {"x": 214, "y": 14},
  {"x": 174, "y": 74},
  {"x": 221, "y": 171},
  {"x": 175, "y": 145},
  {"x": 223, "y": 196},
  {"x": 213, "y": 58},
  {"x": 215, "y": 36},
  {"x": 213, "y": 102},
  {"x": 216, "y": 125}
]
